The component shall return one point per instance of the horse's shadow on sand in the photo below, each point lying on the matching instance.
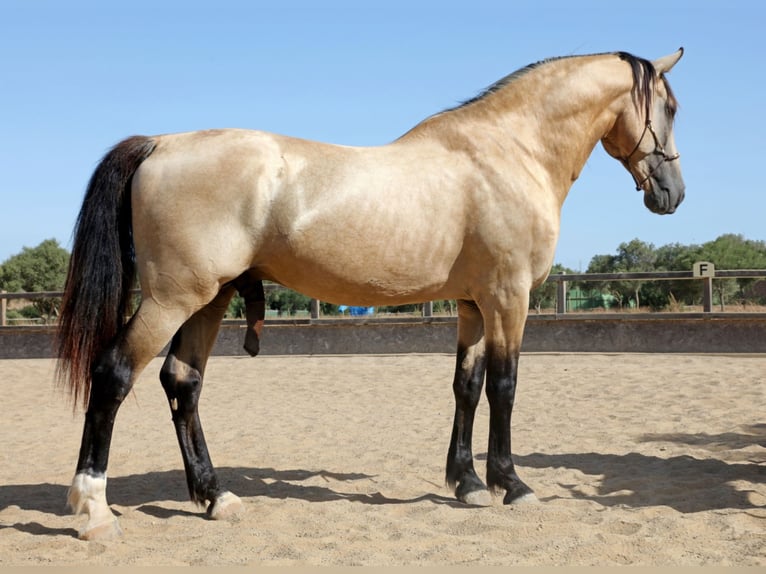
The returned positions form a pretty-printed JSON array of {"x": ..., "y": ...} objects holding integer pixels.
[
  {"x": 684, "y": 483},
  {"x": 635, "y": 480},
  {"x": 145, "y": 491}
]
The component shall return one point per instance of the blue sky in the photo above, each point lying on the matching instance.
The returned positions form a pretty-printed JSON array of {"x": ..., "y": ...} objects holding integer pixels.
[{"x": 76, "y": 77}]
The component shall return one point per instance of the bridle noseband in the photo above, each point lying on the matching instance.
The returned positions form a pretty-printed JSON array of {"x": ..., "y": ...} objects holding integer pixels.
[{"x": 658, "y": 150}]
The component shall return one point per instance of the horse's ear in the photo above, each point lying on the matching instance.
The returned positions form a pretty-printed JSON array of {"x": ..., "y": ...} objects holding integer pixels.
[{"x": 665, "y": 63}]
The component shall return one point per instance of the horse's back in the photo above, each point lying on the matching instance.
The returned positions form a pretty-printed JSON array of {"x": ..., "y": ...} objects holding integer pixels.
[
  {"x": 403, "y": 222},
  {"x": 366, "y": 220}
]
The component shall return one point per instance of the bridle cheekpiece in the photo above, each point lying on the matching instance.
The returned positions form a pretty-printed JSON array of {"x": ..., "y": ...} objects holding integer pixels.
[{"x": 659, "y": 150}]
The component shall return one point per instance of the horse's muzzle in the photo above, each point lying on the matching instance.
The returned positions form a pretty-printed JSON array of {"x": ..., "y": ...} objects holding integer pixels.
[{"x": 663, "y": 200}]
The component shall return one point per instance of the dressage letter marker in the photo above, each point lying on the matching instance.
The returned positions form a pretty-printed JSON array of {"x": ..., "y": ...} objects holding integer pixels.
[{"x": 703, "y": 269}]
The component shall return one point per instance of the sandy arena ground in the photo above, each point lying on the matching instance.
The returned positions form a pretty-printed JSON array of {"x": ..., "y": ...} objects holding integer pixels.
[{"x": 636, "y": 459}]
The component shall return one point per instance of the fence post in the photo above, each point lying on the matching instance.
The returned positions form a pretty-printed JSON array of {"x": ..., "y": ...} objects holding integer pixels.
[
  {"x": 428, "y": 309},
  {"x": 707, "y": 294},
  {"x": 3, "y": 309},
  {"x": 561, "y": 297},
  {"x": 314, "y": 308}
]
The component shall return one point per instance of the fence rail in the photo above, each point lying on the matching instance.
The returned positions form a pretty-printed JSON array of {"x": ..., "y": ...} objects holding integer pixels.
[{"x": 561, "y": 280}]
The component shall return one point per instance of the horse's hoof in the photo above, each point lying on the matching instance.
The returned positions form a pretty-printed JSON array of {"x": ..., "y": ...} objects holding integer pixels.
[
  {"x": 527, "y": 498},
  {"x": 108, "y": 530},
  {"x": 477, "y": 498},
  {"x": 228, "y": 506}
]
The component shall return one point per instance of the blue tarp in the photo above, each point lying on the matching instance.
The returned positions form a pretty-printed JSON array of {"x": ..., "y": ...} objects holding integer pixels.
[{"x": 356, "y": 311}]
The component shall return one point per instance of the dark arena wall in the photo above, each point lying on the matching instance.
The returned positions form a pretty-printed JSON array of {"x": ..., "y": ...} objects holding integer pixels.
[{"x": 591, "y": 332}]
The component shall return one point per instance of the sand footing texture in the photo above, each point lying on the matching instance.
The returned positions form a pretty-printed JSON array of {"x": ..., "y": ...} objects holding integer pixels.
[{"x": 339, "y": 460}]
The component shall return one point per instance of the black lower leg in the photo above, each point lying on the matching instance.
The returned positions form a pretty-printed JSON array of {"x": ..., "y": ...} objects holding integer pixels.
[
  {"x": 501, "y": 390},
  {"x": 467, "y": 386},
  {"x": 111, "y": 383},
  {"x": 183, "y": 385}
]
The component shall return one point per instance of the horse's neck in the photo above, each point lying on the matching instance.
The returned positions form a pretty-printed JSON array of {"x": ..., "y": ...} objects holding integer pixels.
[
  {"x": 551, "y": 117},
  {"x": 577, "y": 112}
]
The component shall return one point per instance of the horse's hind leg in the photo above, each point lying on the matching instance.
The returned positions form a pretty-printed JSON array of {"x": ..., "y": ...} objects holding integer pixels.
[
  {"x": 181, "y": 378},
  {"x": 113, "y": 375},
  {"x": 469, "y": 379}
]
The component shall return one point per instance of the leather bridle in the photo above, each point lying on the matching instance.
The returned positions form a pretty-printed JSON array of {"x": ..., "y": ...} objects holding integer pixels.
[{"x": 659, "y": 150}]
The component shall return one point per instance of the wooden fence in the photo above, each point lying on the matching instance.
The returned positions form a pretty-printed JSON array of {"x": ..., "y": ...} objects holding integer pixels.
[{"x": 561, "y": 281}]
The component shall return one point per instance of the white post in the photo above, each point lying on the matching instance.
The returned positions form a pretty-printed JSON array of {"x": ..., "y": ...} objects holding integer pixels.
[
  {"x": 561, "y": 297},
  {"x": 3, "y": 309}
]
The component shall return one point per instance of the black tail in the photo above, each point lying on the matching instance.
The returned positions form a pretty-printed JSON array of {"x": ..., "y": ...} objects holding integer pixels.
[{"x": 101, "y": 268}]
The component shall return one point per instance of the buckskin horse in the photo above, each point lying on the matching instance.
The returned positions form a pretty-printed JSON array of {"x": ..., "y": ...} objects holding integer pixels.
[{"x": 476, "y": 191}]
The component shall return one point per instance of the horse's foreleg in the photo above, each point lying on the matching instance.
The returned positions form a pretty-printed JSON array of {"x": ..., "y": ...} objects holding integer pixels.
[
  {"x": 502, "y": 368},
  {"x": 181, "y": 378},
  {"x": 113, "y": 374},
  {"x": 467, "y": 385}
]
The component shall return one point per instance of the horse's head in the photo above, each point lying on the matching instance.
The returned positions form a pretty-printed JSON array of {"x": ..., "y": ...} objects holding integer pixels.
[{"x": 642, "y": 135}]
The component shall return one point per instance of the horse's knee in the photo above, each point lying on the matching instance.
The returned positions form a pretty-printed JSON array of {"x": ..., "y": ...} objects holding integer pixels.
[
  {"x": 467, "y": 387},
  {"x": 501, "y": 392},
  {"x": 501, "y": 381}
]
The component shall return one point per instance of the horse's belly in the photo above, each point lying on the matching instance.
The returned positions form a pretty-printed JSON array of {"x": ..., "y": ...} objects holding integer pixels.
[
  {"x": 357, "y": 277},
  {"x": 368, "y": 257}
]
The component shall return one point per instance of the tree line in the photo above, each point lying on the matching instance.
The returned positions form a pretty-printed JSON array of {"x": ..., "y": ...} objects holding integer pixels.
[
  {"x": 44, "y": 268},
  {"x": 728, "y": 251}
]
